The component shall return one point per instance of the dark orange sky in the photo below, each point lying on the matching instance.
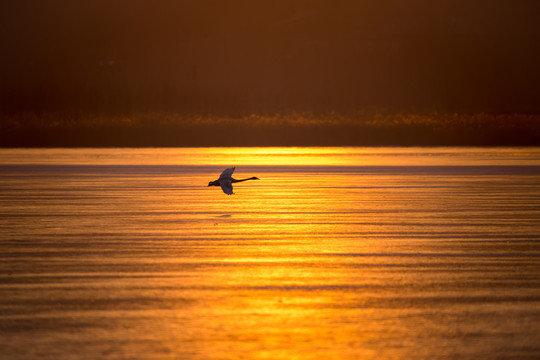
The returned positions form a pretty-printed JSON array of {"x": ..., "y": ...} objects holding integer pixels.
[
  {"x": 237, "y": 57},
  {"x": 269, "y": 72}
]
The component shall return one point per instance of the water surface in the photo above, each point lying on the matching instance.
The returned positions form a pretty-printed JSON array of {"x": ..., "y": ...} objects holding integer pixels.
[{"x": 336, "y": 253}]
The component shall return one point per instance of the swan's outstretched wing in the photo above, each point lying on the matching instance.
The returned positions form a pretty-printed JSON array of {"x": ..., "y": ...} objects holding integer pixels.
[
  {"x": 226, "y": 185},
  {"x": 227, "y": 173}
]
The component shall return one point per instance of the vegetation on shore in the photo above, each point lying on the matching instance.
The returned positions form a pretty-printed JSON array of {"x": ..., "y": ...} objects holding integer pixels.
[{"x": 293, "y": 129}]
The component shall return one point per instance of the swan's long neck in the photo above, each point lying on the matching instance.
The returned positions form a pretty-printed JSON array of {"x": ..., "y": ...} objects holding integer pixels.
[{"x": 251, "y": 178}]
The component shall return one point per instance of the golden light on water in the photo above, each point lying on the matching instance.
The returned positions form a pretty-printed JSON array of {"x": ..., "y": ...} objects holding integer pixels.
[
  {"x": 276, "y": 156},
  {"x": 127, "y": 253}
]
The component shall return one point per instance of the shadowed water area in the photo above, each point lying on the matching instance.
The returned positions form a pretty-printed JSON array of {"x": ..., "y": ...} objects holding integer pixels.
[{"x": 336, "y": 253}]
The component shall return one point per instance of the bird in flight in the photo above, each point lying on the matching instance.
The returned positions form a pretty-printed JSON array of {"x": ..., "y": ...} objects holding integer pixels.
[{"x": 226, "y": 180}]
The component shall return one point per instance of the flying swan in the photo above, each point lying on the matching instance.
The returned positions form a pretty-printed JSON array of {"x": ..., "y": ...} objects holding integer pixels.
[{"x": 226, "y": 180}]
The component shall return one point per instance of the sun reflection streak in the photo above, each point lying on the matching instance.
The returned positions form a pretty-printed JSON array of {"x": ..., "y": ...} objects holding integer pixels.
[{"x": 278, "y": 156}]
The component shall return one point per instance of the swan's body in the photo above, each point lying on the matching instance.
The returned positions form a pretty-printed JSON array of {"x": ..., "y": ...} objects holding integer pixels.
[{"x": 226, "y": 180}]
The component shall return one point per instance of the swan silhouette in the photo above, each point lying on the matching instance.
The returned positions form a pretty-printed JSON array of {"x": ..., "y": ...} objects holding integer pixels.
[{"x": 226, "y": 180}]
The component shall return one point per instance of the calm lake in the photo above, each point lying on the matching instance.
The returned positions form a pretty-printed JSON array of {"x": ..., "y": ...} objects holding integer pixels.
[{"x": 335, "y": 253}]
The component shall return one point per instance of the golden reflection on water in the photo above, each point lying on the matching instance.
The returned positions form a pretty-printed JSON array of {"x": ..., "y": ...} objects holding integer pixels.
[
  {"x": 276, "y": 156},
  {"x": 319, "y": 262}
]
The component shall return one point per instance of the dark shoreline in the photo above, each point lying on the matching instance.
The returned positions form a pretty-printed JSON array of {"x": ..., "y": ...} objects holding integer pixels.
[{"x": 296, "y": 129}]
